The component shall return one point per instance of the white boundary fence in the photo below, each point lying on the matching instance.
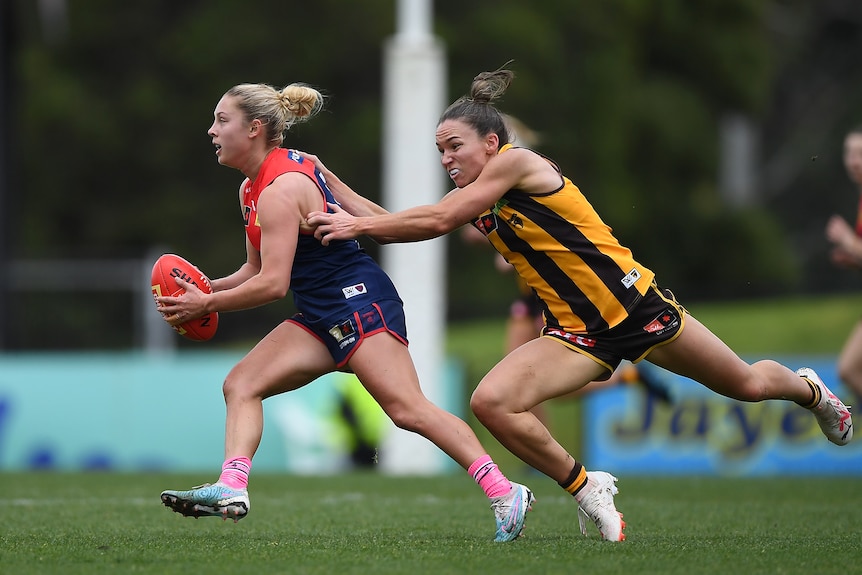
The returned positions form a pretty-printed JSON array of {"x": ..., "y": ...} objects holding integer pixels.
[{"x": 104, "y": 275}]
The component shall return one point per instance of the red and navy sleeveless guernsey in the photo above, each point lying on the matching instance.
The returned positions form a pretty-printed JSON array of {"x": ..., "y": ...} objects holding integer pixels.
[
  {"x": 587, "y": 282},
  {"x": 328, "y": 282}
]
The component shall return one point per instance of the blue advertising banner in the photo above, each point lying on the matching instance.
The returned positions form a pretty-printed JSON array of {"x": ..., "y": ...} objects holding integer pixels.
[
  {"x": 165, "y": 412},
  {"x": 702, "y": 433}
]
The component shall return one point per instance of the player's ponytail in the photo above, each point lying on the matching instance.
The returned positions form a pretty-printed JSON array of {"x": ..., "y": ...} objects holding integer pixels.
[
  {"x": 477, "y": 109},
  {"x": 277, "y": 110},
  {"x": 489, "y": 86},
  {"x": 300, "y": 102}
]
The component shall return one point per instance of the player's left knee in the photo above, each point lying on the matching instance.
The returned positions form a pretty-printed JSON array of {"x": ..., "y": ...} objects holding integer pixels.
[{"x": 485, "y": 403}]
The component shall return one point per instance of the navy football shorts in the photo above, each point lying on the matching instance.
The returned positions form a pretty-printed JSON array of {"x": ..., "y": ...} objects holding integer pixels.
[{"x": 343, "y": 337}]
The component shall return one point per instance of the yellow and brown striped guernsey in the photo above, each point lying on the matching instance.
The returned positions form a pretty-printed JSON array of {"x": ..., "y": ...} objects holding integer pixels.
[{"x": 556, "y": 241}]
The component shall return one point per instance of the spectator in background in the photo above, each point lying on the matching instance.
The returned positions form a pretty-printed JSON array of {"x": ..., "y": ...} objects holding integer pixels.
[
  {"x": 359, "y": 421},
  {"x": 846, "y": 241}
]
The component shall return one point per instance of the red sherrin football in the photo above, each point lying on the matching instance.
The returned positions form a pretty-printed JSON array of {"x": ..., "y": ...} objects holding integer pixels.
[{"x": 170, "y": 266}]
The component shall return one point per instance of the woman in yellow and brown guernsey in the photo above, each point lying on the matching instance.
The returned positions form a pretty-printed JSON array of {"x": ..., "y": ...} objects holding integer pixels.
[{"x": 601, "y": 305}]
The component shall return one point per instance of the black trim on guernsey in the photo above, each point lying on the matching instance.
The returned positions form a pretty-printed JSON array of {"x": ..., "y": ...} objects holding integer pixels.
[{"x": 551, "y": 273}]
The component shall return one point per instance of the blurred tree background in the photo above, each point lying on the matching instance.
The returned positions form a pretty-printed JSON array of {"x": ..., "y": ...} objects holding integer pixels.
[{"x": 110, "y": 103}]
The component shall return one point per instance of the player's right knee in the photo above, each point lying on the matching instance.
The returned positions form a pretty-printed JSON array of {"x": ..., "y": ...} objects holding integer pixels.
[{"x": 406, "y": 416}]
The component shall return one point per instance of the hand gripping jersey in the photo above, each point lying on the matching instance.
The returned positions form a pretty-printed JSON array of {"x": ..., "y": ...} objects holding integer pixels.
[
  {"x": 559, "y": 245},
  {"x": 327, "y": 281}
]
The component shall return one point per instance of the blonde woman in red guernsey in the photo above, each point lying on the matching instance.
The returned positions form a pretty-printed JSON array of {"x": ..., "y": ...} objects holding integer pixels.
[{"x": 350, "y": 317}]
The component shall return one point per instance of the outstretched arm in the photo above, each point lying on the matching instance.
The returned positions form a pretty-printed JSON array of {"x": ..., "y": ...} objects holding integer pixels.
[
  {"x": 458, "y": 207},
  {"x": 357, "y": 216},
  {"x": 413, "y": 225},
  {"x": 521, "y": 169}
]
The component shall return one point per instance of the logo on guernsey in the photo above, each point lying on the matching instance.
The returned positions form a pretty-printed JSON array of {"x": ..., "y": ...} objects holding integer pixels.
[
  {"x": 486, "y": 224},
  {"x": 294, "y": 155},
  {"x": 344, "y": 333},
  {"x": 516, "y": 222},
  {"x": 662, "y": 323},
  {"x": 354, "y": 290},
  {"x": 631, "y": 278}
]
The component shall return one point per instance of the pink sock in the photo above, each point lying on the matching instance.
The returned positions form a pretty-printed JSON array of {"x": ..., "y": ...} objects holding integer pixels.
[
  {"x": 234, "y": 472},
  {"x": 489, "y": 477}
]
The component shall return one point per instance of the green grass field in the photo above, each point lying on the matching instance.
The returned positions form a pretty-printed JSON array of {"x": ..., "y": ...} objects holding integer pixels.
[
  {"x": 363, "y": 523},
  {"x": 366, "y": 523}
]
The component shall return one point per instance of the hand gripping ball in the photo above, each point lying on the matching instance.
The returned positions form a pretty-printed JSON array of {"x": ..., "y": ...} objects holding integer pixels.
[{"x": 170, "y": 266}]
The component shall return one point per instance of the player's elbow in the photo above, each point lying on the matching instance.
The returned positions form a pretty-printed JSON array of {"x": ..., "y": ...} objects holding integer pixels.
[
  {"x": 445, "y": 225},
  {"x": 383, "y": 240},
  {"x": 440, "y": 225},
  {"x": 279, "y": 291},
  {"x": 275, "y": 290}
]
